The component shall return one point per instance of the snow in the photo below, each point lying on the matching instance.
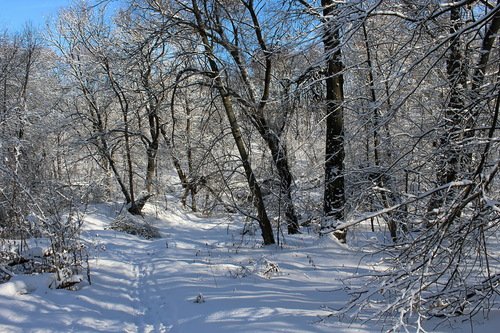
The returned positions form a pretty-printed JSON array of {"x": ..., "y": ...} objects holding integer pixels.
[
  {"x": 26, "y": 284},
  {"x": 203, "y": 275}
]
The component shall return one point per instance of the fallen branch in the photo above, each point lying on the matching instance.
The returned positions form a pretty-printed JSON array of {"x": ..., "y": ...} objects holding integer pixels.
[{"x": 447, "y": 186}]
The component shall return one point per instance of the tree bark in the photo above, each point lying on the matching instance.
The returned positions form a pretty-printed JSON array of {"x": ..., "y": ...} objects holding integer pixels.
[{"x": 334, "y": 192}]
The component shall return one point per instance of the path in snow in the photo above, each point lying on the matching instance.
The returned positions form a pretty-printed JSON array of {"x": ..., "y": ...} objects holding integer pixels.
[{"x": 143, "y": 285}]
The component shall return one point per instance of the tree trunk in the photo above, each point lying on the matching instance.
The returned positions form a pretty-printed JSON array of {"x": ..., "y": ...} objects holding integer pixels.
[
  {"x": 138, "y": 205},
  {"x": 449, "y": 149},
  {"x": 193, "y": 179},
  {"x": 151, "y": 166},
  {"x": 272, "y": 135},
  {"x": 280, "y": 159},
  {"x": 152, "y": 148},
  {"x": 334, "y": 192},
  {"x": 264, "y": 223},
  {"x": 152, "y": 108}
]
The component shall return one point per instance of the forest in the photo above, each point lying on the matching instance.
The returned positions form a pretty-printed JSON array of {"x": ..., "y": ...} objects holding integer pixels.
[{"x": 332, "y": 118}]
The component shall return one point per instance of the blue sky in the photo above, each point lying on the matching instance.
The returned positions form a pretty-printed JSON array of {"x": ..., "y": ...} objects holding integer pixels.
[{"x": 14, "y": 13}]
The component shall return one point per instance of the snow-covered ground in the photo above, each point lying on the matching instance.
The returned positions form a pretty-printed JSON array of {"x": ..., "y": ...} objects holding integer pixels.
[{"x": 203, "y": 275}]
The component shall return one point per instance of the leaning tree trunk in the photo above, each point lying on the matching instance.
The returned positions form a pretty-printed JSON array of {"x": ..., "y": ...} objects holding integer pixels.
[
  {"x": 280, "y": 159},
  {"x": 152, "y": 150},
  {"x": 272, "y": 135},
  {"x": 264, "y": 223},
  {"x": 334, "y": 192},
  {"x": 152, "y": 145}
]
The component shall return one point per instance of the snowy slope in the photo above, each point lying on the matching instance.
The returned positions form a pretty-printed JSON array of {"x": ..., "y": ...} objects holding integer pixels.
[{"x": 202, "y": 276}]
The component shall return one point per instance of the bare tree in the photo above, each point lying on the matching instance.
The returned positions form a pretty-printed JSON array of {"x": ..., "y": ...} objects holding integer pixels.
[
  {"x": 265, "y": 224},
  {"x": 124, "y": 65}
]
